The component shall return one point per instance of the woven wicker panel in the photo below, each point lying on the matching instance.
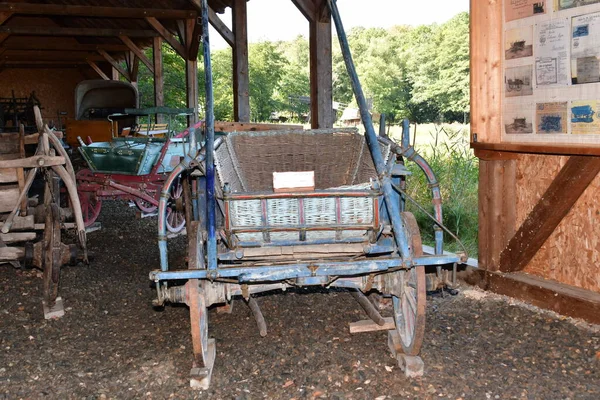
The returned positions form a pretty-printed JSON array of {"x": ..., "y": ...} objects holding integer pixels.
[
  {"x": 319, "y": 211},
  {"x": 366, "y": 169},
  {"x": 250, "y": 237},
  {"x": 333, "y": 157},
  {"x": 227, "y": 166},
  {"x": 282, "y": 212},
  {"x": 357, "y": 210},
  {"x": 246, "y": 213}
]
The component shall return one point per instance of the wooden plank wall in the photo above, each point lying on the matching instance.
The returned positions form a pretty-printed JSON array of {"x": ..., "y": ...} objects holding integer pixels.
[{"x": 55, "y": 88}]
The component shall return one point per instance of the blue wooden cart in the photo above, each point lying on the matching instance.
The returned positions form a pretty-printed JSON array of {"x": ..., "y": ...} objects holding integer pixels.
[{"x": 351, "y": 231}]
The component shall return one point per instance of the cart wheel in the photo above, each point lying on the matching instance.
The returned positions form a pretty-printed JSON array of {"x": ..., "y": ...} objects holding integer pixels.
[
  {"x": 51, "y": 247},
  {"x": 196, "y": 300},
  {"x": 175, "y": 207},
  {"x": 409, "y": 308},
  {"x": 90, "y": 207},
  {"x": 144, "y": 206}
]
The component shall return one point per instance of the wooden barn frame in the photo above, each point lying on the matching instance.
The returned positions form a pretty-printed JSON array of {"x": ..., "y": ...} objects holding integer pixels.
[
  {"x": 538, "y": 220},
  {"x": 538, "y": 210}
]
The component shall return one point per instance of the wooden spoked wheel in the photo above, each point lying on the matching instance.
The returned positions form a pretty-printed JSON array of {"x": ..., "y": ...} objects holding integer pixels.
[
  {"x": 90, "y": 207},
  {"x": 409, "y": 307},
  {"x": 196, "y": 300},
  {"x": 90, "y": 203},
  {"x": 52, "y": 256},
  {"x": 145, "y": 206},
  {"x": 176, "y": 207}
]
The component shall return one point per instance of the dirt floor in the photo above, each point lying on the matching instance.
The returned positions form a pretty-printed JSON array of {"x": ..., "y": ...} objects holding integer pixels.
[{"x": 112, "y": 344}]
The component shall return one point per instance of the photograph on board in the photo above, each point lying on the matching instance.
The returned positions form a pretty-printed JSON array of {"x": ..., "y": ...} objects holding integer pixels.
[
  {"x": 551, "y": 117},
  {"x": 518, "y": 81},
  {"x": 518, "y": 43},
  {"x": 518, "y": 118}
]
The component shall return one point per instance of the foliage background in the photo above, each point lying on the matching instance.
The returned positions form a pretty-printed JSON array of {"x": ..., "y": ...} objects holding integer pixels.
[{"x": 420, "y": 73}]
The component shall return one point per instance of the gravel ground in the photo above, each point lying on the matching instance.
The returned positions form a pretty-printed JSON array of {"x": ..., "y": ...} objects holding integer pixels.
[{"x": 112, "y": 344}]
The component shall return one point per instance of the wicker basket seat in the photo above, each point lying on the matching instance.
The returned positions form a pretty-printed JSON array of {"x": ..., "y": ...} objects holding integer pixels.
[{"x": 340, "y": 160}]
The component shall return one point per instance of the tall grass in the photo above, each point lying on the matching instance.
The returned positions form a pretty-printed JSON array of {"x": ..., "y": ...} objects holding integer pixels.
[{"x": 456, "y": 168}]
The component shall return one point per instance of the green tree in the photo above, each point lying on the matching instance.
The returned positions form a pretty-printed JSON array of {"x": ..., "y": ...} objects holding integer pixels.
[{"x": 266, "y": 68}]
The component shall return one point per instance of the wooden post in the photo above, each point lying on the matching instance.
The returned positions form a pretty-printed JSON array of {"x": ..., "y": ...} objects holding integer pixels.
[
  {"x": 497, "y": 206},
  {"x": 191, "y": 72},
  {"x": 321, "y": 88},
  {"x": 133, "y": 63},
  {"x": 114, "y": 73},
  {"x": 159, "y": 97},
  {"x": 241, "y": 85},
  {"x": 486, "y": 70}
]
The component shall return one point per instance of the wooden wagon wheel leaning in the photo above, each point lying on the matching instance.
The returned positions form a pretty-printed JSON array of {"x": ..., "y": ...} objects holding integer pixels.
[
  {"x": 409, "y": 307},
  {"x": 52, "y": 257},
  {"x": 203, "y": 348}
]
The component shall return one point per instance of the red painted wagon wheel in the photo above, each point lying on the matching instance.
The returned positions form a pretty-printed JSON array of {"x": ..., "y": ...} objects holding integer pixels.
[
  {"x": 176, "y": 207},
  {"x": 409, "y": 307},
  {"x": 90, "y": 202},
  {"x": 145, "y": 206},
  {"x": 90, "y": 207}
]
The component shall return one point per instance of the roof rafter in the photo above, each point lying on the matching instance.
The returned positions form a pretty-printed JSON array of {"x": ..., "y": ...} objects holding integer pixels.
[
  {"x": 115, "y": 64},
  {"x": 138, "y": 52},
  {"x": 58, "y": 31},
  {"x": 95, "y": 11},
  {"x": 164, "y": 32}
]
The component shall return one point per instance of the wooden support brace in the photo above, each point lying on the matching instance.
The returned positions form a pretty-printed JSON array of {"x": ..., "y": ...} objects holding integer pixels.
[
  {"x": 133, "y": 63},
  {"x": 3, "y": 36},
  {"x": 220, "y": 27},
  {"x": 138, "y": 52},
  {"x": 166, "y": 35},
  {"x": 114, "y": 64},
  {"x": 307, "y": 8},
  {"x": 193, "y": 37},
  {"x": 96, "y": 68},
  {"x": 553, "y": 206}
]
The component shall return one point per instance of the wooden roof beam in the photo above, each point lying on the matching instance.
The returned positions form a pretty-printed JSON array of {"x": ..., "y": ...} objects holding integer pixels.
[
  {"x": 3, "y": 36},
  {"x": 138, "y": 52},
  {"x": 56, "y": 31},
  {"x": 28, "y": 54},
  {"x": 166, "y": 35},
  {"x": 115, "y": 64},
  {"x": 96, "y": 68},
  {"x": 95, "y": 11},
  {"x": 4, "y": 16},
  {"x": 37, "y": 43}
]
